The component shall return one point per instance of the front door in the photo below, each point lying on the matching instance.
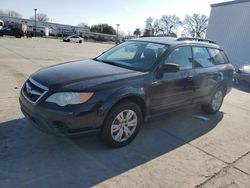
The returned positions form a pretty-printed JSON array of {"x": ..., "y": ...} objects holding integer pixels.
[{"x": 174, "y": 89}]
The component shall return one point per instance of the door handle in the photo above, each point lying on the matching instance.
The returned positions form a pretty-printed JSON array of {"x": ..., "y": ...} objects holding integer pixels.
[{"x": 158, "y": 82}]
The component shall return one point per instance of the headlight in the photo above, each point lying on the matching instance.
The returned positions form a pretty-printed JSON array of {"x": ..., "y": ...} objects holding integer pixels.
[{"x": 65, "y": 98}]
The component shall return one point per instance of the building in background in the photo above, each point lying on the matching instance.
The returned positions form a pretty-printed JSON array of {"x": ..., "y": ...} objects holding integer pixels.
[
  {"x": 54, "y": 29},
  {"x": 229, "y": 26},
  {"x": 42, "y": 27}
]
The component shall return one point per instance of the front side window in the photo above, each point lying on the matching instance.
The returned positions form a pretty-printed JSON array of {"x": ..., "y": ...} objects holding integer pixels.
[
  {"x": 134, "y": 55},
  {"x": 201, "y": 57},
  {"x": 181, "y": 56}
]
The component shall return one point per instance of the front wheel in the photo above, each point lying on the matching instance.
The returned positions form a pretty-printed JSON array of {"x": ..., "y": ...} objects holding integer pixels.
[
  {"x": 122, "y": 124},
  {"x": 80, "y": 41},
  {"x": 214, "y": 105}
]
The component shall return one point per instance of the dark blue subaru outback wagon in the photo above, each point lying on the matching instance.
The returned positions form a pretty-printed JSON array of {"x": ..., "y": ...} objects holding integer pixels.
[{"x": 116, "y": 91}]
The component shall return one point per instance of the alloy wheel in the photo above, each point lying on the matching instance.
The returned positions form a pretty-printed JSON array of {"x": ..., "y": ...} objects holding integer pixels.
[
  {"x": 124, "y": 125},
  {"x": 217, "y": 100}
]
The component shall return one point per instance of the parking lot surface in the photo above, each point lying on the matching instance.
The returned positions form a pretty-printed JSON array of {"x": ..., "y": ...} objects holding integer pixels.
[{"x": 172, "y": 150}]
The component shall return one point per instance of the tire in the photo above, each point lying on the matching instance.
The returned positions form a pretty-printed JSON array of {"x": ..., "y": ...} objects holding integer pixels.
[
  {"x": 245, "y": 83},
  {"x": 80, "y": 41},
  {"x": 18, "y": 36},
  {"x": 68, "y": 40},
  {"x": 217, "y": 100},
  {"x": 236, "y": 81},
  {"x": 115, "y": 132}
]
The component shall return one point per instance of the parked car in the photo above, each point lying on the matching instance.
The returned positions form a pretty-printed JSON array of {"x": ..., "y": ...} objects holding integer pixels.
[
  {"x": 18, "y": 33},
  {"x": 29, "y": 34},
  {"x": 116, "y": 91},
  {"x": 73, "y": 38},
  {"x": 242, "y": 75}
]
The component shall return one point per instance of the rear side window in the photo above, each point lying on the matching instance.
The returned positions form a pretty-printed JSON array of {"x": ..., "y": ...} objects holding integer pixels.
[
  {"x": 202, "y": 57},
  {"x": 181, "y": 56},
  {"x": 217, "y": 56}
]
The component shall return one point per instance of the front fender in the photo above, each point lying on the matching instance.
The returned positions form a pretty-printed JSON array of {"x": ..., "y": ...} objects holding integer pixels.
[{"x": 121, "y": 94}]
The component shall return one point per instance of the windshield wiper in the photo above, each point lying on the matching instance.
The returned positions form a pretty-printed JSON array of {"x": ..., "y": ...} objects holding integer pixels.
[{"x": 108, "y": 62}]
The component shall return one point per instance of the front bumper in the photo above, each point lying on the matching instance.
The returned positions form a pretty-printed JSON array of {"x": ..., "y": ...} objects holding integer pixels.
[{"x": 81, "y": 119}]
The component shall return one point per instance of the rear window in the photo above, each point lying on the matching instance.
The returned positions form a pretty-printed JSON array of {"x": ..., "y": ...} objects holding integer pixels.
[{"x": 217, "y": 56}]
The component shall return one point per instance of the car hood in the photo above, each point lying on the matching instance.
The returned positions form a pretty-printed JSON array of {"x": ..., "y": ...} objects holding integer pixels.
[{"x": 88, "y": 73}]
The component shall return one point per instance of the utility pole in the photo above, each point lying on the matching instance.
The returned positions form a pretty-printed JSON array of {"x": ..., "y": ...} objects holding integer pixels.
[
  {"x": 35, "y": 21},
  {"x": 117, "y": 33}
]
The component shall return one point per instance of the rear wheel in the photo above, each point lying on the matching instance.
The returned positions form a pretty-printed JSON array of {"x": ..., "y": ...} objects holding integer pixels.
[
  {"x": 80, "y": 41},
  {"x": 122, "y": 124},
  {"x": 214, "y": 105},
  {"x": 245, "y": 83}
]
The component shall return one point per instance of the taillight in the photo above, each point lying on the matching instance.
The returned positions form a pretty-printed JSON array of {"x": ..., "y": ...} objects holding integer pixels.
[{"x": 231, "y": 67}]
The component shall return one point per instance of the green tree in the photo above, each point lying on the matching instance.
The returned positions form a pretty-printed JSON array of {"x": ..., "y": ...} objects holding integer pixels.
[
  {"x": 103, "y": 28},
  {"x": 137, "y": 32}
]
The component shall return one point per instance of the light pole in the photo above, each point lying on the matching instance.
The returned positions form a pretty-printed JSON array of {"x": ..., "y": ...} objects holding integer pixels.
[
  {"x": 117, "y": 33},
  {"x": 35, "y": 21}
]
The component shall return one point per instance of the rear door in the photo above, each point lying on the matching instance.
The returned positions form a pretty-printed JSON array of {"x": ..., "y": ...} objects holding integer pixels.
[
  {"x": 206, "y": 74},
  {"x": 73, "y": 39},
  {"x": 174, "y": 89}
]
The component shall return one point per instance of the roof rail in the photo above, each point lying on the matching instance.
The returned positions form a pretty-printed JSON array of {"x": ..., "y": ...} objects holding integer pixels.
[{"x": 195, "y": 39}]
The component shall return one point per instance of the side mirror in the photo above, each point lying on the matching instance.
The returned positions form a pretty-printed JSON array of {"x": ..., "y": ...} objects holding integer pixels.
[
  {"x": 240, "y": 70},
  {"x": 169, "y": 67}
]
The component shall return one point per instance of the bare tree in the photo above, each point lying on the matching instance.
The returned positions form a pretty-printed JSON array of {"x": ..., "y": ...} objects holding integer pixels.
[
  {"x": 149, "y": 26},
  {"x": 195, "y": 25},
  {"x": 170, "y": 24},
  {"x": 152, "y": 27},
  {"x": 41, "y": 17},
  {"x": 10, "y": 13},
  {"x": 83, "y": 24},
  {"x": 157, "y": 27}
]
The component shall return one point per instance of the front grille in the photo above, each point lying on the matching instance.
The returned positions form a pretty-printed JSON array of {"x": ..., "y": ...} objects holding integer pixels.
[{"x": 33, "y": 91}]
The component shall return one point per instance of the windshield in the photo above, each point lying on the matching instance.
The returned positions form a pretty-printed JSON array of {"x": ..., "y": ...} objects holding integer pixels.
[{"x": 134, "y": 55}]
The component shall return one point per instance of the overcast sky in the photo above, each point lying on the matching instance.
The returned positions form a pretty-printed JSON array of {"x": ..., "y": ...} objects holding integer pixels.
[{"x": 130, "y": 14}]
